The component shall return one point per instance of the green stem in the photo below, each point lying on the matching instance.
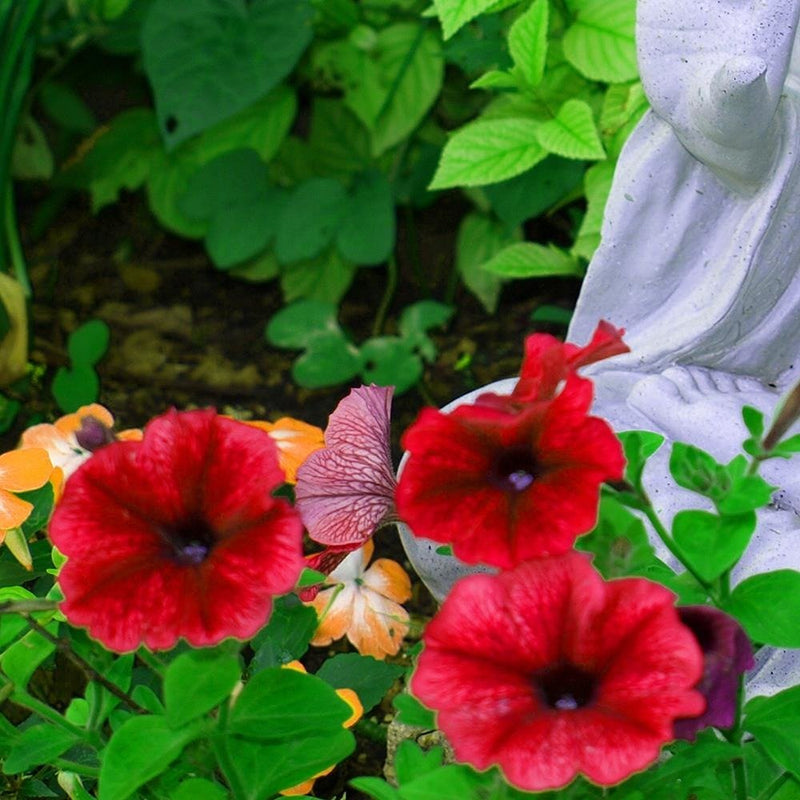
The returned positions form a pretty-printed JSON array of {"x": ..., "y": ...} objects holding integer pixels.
[
  {"x": 88, "y": 670},
  {"x": 773, "y": 788},
  {"x": 739, "y": 778},
  {"x": 52, "y": 716},
  {"x": 663, "y": 534},
  {"x": 152, "y": 661},
  {"x": 27, "y": 606},
  {"x": 388, "y": 294},
  {"x": 73, "y": 766},
  {"x": 18, "y": 264}
]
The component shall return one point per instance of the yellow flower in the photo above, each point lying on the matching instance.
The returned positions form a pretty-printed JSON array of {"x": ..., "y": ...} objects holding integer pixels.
[
  {"x": 351, "y": 698},
  {"x": 364, "y": 604},
  {"x": 296, "y": 441}
]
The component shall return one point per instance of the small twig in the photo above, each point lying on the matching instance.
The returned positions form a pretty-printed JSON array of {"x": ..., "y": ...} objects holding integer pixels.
[
  {"x": 91, "y": 673},
  {"x": 27, "y": 606}
]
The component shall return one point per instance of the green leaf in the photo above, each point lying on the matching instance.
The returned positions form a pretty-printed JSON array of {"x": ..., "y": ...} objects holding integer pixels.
[
  {"x": 454, "y": 14},
  {"x": 376, "y": 788},
  {"x": 754, "y": 421},
  {"x": 531, "y": 260},
  {"x": 479, "y": 238},
  {"x": 369, "y": 678},
  {"x": 712, "y": 544},
  {"x": 367, "y": 230},
  {"x": 325, "y": 278},
  {"x": 339, "y": 142},
  {"x": 417, "y": 319},
  {"x": 412, "y": 712},
  {"x": 535, "y": 191},
  {"x": 411, "y": 761},
  {"x": 263, "y": 768},
  {"x": 196, "y": 682},
  {"x": 12, "y": 625},
  {"x": 32, "y": 159},
  {"x": 23, "y": 658},
  {"x": 572, "y": 133},
  {"x": 451, "y": 782},
  {"x": 766, "y": 605},
  {"x": 774, "y": 721},
  {"x": 600, "y": 44},
  {"x": 286, "y": 636},
  {"x": 199, "y": 789},
  {"x": 142, "y": 748},
  {"x": 88, "y": 343},
  {"x": 119, "y": 156},
  {"x": 37, "y": 745},
  {"x": 42, "y": 500},
  {"x": 597, "y": 186},
  {"x": 310, "y": 219},
  {"x": 328, "y": 361},
  {"x": 239, "y": 233},
  {"x": 209, "y": 59},
  {"x": 75, "y": 387},
  {"x": 411, "y": 73},
  {"x": 66, "y": 107},
  {"x": 527, "y": 41},
  {"x": 389, "y": 361},
  {"x": 298, "y": 324},
  {"x": 638, "y": 446},
  {"x": 696, "y": 470},
  {"x": 552, "y": 315},
  {"x": 488, "y": 151},
  {"x": 277, "y": 704}
]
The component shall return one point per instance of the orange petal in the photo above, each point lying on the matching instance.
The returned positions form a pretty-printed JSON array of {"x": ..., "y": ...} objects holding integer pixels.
[
  {"x": 295, "y": 665},
  {"x": 13, "y": 511},
  {"x": 21, "y": 470},
  {"x": 44, "y": 435},
  {"x": 351, "y": 698},
  {"x": 334, "y": 608},
  {"x": 57, "y": 481},
  {"x": 70, "y": 423},
  {"x": 388, "y": 578},
  {"x": 379, "y": 625},
  {"x": 130, "y": 435},
  {"x": 296, "y": 441}
]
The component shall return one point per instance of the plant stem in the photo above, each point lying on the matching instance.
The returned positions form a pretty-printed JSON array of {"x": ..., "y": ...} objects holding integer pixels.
[
  {"x": 27, "y": 606},
  {"x": 151, "y": 661},
  {"x": 88, "y": 670},
  {"x": 773, "y": 788},
  {"x": 388, "y": 294},
  {"x": 21, "y": 697},
  {"x": 73, "y": 766},
  {"x": 665, "y": 537},
  {"x": 18, "y": 264}
]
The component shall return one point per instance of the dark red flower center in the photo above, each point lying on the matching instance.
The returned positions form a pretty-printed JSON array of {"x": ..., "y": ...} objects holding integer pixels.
[
  {"x": 191, "y": 541},
  {"x": 514, "y": 469},
  {"x": 565, "y": 687}
]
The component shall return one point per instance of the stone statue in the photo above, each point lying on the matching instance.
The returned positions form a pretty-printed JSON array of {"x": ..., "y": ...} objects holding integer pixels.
[
  {"x": 700, "y": 254},
  {"x": 700, "y": 263}
]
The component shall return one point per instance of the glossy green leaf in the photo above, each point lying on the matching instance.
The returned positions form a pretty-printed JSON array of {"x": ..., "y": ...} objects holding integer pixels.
[
  {"x": 209, "y": 59},
  {"x": 600, "y": 44},
  {"x": 638, "y": 446},
  {"x": 531, "y": 260},
  {"x": 286, "y": 636},
  {"x": 412, "y": 712},
  {"x": 310, "y": 219},
  {"x": 142, "y": 748},
  {"x": 366, "y": 232},
  {"x": 774, "y": 721},
  {"x": 23, "y": 657},
  {"x": 42, "y": 500},
  {"x": 199, "y": 789},
  {"x": 488, "y": 151},
  {"x": 527, "y": 41},
  {"x": 369, "y": 678},
  {"x": 572, "y": 133},
  {"x": 196, "y": 682},
  {"x": 766, "y": 605},
  {"x": 712, "y": 544}
]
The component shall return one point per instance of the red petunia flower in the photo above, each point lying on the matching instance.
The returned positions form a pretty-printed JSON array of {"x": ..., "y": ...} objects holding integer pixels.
[
  {"x": 549, "y": 361},
  {"x": 177, "y": 535},
  {"x": 549, "y": 672},
  {"x": 507, "y": 481}
]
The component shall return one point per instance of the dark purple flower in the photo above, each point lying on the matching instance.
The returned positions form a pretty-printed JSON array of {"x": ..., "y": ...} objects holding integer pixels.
[{"x": 727, "y": 653}]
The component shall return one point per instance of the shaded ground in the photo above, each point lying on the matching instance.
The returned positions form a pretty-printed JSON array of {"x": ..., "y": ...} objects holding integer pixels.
[{"x": 185, "y": 335}]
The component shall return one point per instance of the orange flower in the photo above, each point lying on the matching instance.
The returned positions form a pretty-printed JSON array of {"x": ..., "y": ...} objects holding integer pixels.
[
  {"x": 20, "y": 471},
  {"x": 364, "y": 604},
  {"x": 351, "y": 698},
  {"x": 71, "y": 439},
  {"x": 296, "y": 441}
]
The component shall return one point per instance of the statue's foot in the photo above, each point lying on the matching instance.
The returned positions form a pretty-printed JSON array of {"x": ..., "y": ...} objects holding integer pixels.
[{"x": 700, "y": 406}]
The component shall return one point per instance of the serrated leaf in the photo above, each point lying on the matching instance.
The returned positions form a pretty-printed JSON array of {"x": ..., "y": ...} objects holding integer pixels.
[
  {"x": 600, "y": 44},
  {"x": 488, "y": 151},
  {"x": 597, "y": 186},
  {"x": 527, "y": 41},
  {"x": 454, "y": 14},
  {"x": 209, "y": 59},
  {"x": 531, "y": 260},
  {"x": 479, "y": 238},
  {"x": 572, "y": 133}
]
